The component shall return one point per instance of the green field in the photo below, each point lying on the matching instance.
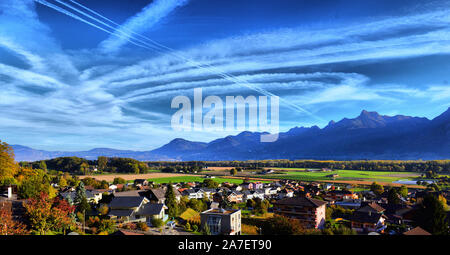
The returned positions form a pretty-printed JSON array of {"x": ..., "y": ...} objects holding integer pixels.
[
  {"x": 193, "y": 179},
  {"x": 347, "y": 175}
]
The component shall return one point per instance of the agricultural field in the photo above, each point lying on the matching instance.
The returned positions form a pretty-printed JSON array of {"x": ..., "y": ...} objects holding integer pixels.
[
  {"x": 185, "y": 178},
  {"x": 342, "y": 175}
]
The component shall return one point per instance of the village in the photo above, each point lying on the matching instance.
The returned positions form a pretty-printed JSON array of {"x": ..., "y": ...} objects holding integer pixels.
[{"x": 143, "y": 207}]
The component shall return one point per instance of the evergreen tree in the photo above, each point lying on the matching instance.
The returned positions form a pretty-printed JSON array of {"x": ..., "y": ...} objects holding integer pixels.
[
  {"x": 171, "y": 201},
  {"x": 80, "y": 193}
]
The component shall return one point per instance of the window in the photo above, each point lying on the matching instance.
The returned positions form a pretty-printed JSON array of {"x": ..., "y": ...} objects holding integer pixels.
[{"x": 214, "y": 224}]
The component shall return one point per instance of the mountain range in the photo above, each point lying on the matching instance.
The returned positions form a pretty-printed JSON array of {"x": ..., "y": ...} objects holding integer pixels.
[{"x": 368, "y": 136}]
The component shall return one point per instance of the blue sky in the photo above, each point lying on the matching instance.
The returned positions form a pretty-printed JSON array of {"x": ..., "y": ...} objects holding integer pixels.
[{"x": 70, "y": 85}]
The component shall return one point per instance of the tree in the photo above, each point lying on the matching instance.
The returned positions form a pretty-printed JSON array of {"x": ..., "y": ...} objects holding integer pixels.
[
  {"x": 103, "y": 209},
  {"x": 80, "y": 193},
  {"x": 7, "y": 225},
  {"x": 62, "y": 182},
  {"x": 393, "y": 197},
  {"x": 34, "y": 183},
  {"x": 250, "y": 203},
  {"x": 261, "y": 206},
  {"x": 80, "y": 199},
  {"x": 83, "y": 168},
  {"x": 431, "y": 215},
  {"x": 42, "y": 165},
  {"x": 8, "y": 167},
  {"x": 210, "y": 183},
  {"x": 403, "y": 191},
  {"x": 280, "y": 225},
  {"x": 171, "y": 201},
  {"x": 46, "y": 214},
  {"x": 119, "y": 180},
  {"x": 376, "y": 188},
  {"x": 102, "y": 163}
]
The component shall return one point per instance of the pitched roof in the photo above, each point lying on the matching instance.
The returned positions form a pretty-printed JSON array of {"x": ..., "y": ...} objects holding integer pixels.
[
  {"x": 301, "y": 201},
  {"x": 130, "y": 193},
  {"x": 366, "y": 217},
  {"x": 159, "y": 193},
  {"x": 151, "y": 209},
  {"x": 372, "y": 207},
  {"x": 417, "y": 231},
  {"x": 121, "y": 213},
  {"x": 126, "y": 202}
]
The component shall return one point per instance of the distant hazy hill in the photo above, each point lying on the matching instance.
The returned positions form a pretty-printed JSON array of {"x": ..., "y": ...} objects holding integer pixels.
[{"x": 368, "y": 136}]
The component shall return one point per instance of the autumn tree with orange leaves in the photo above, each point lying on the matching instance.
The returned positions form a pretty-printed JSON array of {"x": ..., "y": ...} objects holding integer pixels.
[
  {"x": 8, "y": 226},
  {"x": 46, "y": 214}
]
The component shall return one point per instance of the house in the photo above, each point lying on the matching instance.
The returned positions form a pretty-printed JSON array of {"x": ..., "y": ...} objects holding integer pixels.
[
  {"x": 125, "y": 208},
  {"x": 252, "y": 194},
  {"x": 235, "y": 197},
  {"x": 339, "y": 195},
  {"x": 269, "y": 192},
  {"x": 368, "y": 222},
  {"x": 222, "y": 221},
  {"x": 193, "y": 194},
  {"x": 310, "y": 212},
  {"x": 285, "y": 193},
  {"x": 417, "y": 231},
  {"x": 398, "y": 214},
  {"x": 140, "y": 182},
  {"x": 152, "y": 210},
  {"x": 255, "y": 185},
  {"x": 371, "y": 207},
  {"x": 328, "y": 186},
  {"x": 159, "y": 195},
  {"x": 208, "y": 193},
  {"x": 199, "y": 193},
  {"x": 91, "y": 196}
]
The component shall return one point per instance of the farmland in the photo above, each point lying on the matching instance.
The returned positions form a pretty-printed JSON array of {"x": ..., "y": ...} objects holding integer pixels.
[
  {"x": 343, "y": 176},
  {"x": 296, "y": 174}
]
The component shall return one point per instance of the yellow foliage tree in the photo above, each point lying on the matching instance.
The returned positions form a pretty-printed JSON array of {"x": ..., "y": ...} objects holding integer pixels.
[{"x": 8, "y": 166}]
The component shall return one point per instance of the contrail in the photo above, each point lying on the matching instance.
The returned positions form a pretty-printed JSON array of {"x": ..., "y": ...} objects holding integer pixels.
[
  {"x": 63, "y": 11},
  {"x": 158, "y": 46}
]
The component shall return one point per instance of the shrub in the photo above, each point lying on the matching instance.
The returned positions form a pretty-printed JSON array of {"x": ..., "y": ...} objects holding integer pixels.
[
  {"x": 249, "y": 229},
  {"x": 157, "y": 222},
  {"x": 142, "y": 226}
]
